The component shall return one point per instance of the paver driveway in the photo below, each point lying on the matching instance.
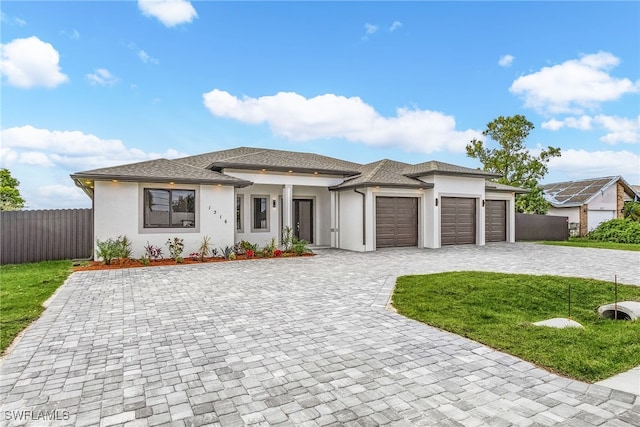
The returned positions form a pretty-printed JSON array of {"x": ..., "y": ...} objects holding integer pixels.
[{"x": 301, "y": 341}]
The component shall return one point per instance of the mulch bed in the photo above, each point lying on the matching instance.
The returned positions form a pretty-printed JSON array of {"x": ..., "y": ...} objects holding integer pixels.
[{"x": 135, "y": 263}]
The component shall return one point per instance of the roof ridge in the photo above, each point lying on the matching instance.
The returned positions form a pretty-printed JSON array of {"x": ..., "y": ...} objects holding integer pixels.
[{"x": 375, "y": 170}]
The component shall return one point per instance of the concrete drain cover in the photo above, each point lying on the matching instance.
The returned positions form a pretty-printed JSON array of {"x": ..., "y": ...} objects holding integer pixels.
[
  {"x": 559, "y": 322},
  {"x": 627, "y": 310}
]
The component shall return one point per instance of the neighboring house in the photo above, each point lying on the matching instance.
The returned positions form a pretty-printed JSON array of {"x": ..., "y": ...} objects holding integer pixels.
[
  {"x": 588, "y": 202},
  {"x": 252, "y": 194}
]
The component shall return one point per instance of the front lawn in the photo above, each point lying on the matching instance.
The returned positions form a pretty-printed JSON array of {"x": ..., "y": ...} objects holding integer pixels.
[
  {"x": 584, "y": 242},
  {"x": 23, "y": 289},
  {"x": 498, "y": 310}
]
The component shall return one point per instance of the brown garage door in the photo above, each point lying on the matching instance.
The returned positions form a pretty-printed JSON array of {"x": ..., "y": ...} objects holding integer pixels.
[
  {"x": 495, "y": 214},
  {"x": 396, "y": 221},
  {"x": 458, "y": 221}
]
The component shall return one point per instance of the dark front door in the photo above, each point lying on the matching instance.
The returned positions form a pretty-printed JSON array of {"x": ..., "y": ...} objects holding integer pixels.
[{"x": 303, "y": 219}]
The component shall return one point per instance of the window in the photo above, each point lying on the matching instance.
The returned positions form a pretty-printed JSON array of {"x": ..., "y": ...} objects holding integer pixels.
[
  {"x": 260, "y": 213},
  {"x": 239, "y": 213},
  {"x": 169, "y": 208}
]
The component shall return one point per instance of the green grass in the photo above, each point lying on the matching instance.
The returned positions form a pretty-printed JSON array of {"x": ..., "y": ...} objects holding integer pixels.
[
  {"x": 498, "y": 310},
  {"x": 23, "y": 289},
  {"x": 584, "y": 242}
]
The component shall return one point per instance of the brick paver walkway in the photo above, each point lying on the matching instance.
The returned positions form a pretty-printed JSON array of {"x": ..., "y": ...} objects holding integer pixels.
[{"x": 302, "y": 341}]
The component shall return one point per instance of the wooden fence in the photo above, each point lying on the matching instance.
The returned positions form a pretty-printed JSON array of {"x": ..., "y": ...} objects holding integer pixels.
[
  {"x": 44, "y": 235},
  {"x": 541, "y": 227}
]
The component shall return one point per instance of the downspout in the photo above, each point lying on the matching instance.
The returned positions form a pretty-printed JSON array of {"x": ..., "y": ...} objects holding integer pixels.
[{"x": 364, "y": 217}]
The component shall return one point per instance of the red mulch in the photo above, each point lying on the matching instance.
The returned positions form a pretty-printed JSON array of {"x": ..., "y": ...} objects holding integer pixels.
[{"x": 134, "y": 263}]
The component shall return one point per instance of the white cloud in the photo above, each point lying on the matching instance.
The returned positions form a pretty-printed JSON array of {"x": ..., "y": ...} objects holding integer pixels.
[
  {"x": 12, "y": 20},
  {"x": 573, "y": 86},
  {"x": 295, "y": 117},
  {"x": 146, "y": 58},
  {"x": 73, "y": 34},
  {"x": 102, "y": 77},
  {"x": 506, "y": 60},
  {"x": 395, "y": 25},
  {"x": 590, "y": 164},
  {"x": 369, "y": 30},
  {"x": 553, "y": 124},
  {"x": 30, "y": 62},
  {"x": 620, "y": 129},
  {"x": 68, "y": 193},
  {"x": 70, "y": 150},
  {"x": 169, "y": 12}
]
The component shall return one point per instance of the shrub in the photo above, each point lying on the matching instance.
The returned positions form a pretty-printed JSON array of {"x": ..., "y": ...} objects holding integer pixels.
[
  {"x": 176, "y": 246},
  {"x": 268, "y": 249},
  {"x": 114, "y": 248},
  {"x": 299, "y": 247},
  {"x": 617, "y": 231},
  {"x": 287, "y": 239},
  {"x": 152, "y": 252},
  {"x": 205, "y": 247},
  {"x": 227, "y": 252},
  {"x": 632, "y": 210}
]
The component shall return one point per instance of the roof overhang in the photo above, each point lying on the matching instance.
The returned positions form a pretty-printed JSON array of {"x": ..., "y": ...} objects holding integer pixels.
[
  {"x": 480, "y": 174},
  {"x": 219, "y": 166},
  {"x": 381, "y": 185}
]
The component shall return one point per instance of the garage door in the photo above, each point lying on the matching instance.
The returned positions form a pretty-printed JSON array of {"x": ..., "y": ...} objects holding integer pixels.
[
  {"x": 458, "y": 221},
  {"x": 396, "y": 221},
  {"x": 495, "y": 215}
]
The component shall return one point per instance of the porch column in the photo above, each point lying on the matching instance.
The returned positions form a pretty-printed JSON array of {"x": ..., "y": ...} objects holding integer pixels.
[{"x": 287, "y": 206}]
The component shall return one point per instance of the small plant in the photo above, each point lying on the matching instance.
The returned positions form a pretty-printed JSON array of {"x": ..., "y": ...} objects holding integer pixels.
[
  {"x": 277, "y": 253},
  {"x": 111, "y": 249},
  {"x": 287, "y": 239},
  {"x": 107, "y": 250},
  {"x": 152, "y": 252},
  {"x": 227, "y": 252},
  {"x": 232, "y": 256},
  {"x": 196, "y": 256},
  {"x": 214, "y": 252},
  {"x": 299, "y": 247},
  {"x": 250, "y": 253},
  {"x": 205, "y": 247},
  {"x": 145, "y": 261},
  {"x": 124, "y": 247},
  {"x": 176, "y": 246},
  {"x": 270, "y": 248}
]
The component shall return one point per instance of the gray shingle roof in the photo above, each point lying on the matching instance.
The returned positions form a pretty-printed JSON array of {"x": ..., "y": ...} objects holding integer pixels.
[
  {"x": 576, "y": 193},
  {"x": 257, "y": 158},
  {"x": 160, "y": 170},
  {"x": 495, "y": 186},
  {"x": 388, "y": 173},
  {"x": 435, "y": 167}
]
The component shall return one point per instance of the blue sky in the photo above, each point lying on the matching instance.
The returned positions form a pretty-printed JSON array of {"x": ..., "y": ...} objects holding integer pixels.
[{"x": 93, "y": 84}]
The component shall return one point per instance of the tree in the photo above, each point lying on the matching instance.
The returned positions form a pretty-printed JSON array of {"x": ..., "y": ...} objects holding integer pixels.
[
  {"x": 513, "y": 162},
  {"x": 10, "y": 198},
  {"x": 632, "y": 210}
]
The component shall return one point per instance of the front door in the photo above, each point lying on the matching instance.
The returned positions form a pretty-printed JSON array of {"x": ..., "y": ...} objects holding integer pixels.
[{"x": 303, "y": 219}]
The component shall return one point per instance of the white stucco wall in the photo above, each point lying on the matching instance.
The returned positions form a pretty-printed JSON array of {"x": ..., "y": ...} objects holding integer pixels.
[
  {"x": 349, "y": 235},
  {"x": 606, "y": 200},
  {"x": 453, "y": 186},
  {"x": 118, "y": 211},
  {"x": 511, "y": 212},
  {"x": 261, "y": 237},
  {"x": 572, "y": 213}
]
